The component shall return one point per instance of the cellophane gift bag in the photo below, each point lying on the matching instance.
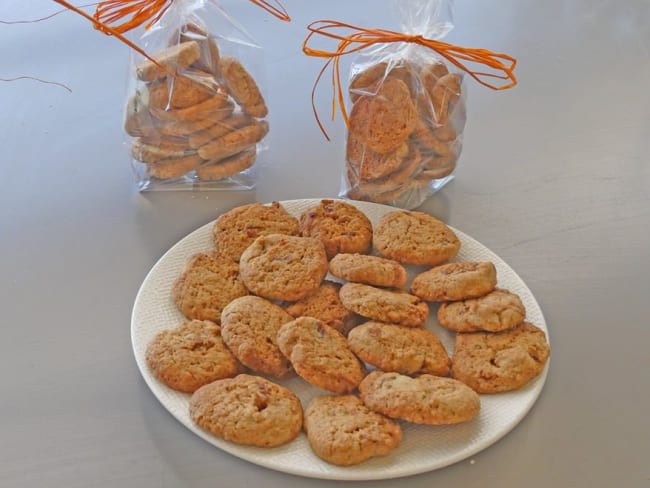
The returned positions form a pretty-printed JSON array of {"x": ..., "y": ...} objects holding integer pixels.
[
  {"x": 407, "y": 113},
  {"x": 196, "y": 119}
]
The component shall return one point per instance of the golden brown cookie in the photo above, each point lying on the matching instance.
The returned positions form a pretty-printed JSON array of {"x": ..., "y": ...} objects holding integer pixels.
[
  {"x": 325, "y": 305},
  {"x": 392, "y": 306},
  {"x": 370, "y": 270},
  {"x": 242, "y": 87},
  {"x": 431, "y": 72},
  {"x": 503, "y": 361},
  {"x": 152, "y": 150},
  {"x": 249, "y": 326},
  {"x": 237, "y": 228},
  {"x": 208, "y": 283},
  {"x": 496, "y": 311},
  {"x": 281, "y": 267},
  {"x": 234, "y": 142},
  {"x": 247, "y": 410},
  {"x": 190, "y": 355},
  {"x": 170, "y": 60},
  {"x": 424, "y": 136},
  {"x": 320, "y": 355},
  {"x": 185, "y": 128},
  {"x": 367, "y": 81},
  {"x": 339, "y": 225},
  {"x": 444, "y": 96},
  {"x": 217, "y": 170},
  {"x": 455, "y": 281},
  {"x": 415, "y": 238},
  {"x": 406, "y": 350},
  {"x": 138, "y": 121},
  {"x": 221, "y": 128},
  {"x": 366, "y": 164},
  {"x": 343, "y": 431},
  {"x": 209, "y": 58},
  {"x": 181, "y": 91},
  {"x": 171, "y": 168},
  {"x": 215, "y": 108}
]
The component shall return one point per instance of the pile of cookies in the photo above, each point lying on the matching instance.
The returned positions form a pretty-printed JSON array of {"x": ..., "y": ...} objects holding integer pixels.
[
  {"x": 259, "y": 308},
  {"x": 404, "y": 132},
  {"x": 195, "y": 113}
]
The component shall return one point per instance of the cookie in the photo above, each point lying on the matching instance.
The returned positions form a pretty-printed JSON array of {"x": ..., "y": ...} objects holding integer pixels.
[
  {"x": 171, "y": 168},
  {"x": 247, "y": 410},
  {"x": 431, "y": 72},
  {"x": 444, "y": 96},
  {"x": 190, "y": 356},
  {"x": 234, "y": 142},
  {"x": 281, "y": 267},
  {"x": 366, "y": 81},
  {"x": 249, "y": 326},
  {"x": 170, "y": 60},
  {"x": 219, "y": 129},
  {"x": 384, "y": 121},
  {"x": 406, "y": 350},
  {"x": 215, "y": 108},
  {"x": 502, "y": 361},
  {"x": 320, "y": 355},
  {"x": 217, "y": 170},
  {"x": 242, "y": 87},
  {"x": 415, "y": 238},
  {"x": 392, "y": 306},
  {"x": 367, "y": 164},
  {"x": 339, "y": 225},
  {"x": 455, "y": 281},
  {"x": 325, "y": 304},
  {"x": 152, "y": 151},
  {"x": 208, "y": 283},
  {"x": 137, "y": 118},
  {"x": 209, "y": 58},
  {"x": 181, "y": 91},
  {"x": 427, "y": 399},
  {"x": 237, "y": 228},
  {"x": 370, "y": 270},
  {"x": 343, "y": 431},
  {"x": 498, "y": 310},
  {"x": 425, "y": 137},
  {"x": 184, "y": 128}
]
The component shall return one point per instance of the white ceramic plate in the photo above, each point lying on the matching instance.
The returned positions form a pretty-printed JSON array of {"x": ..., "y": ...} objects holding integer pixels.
[{"x": 424, "y": 448}]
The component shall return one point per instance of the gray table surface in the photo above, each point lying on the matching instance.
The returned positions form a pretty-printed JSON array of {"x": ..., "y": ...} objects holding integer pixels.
[{"x": 554, "y": 178}]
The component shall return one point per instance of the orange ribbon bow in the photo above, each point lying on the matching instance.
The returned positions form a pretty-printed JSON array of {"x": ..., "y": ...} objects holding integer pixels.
[{"x": 355, "y": 39}]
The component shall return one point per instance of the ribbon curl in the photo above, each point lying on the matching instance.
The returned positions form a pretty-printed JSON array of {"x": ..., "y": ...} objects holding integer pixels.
[{"x": 354, "y": 39}]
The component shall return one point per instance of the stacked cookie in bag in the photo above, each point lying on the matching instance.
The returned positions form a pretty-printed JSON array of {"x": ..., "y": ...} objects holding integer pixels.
[
  {"x": 194, "y": 112},
  {"x": 404, "y": 131}
]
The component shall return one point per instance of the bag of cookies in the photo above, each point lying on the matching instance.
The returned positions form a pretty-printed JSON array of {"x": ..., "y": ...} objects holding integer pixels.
[
  {"x": 407, "y": 94},
  {"x": 196, "y": 114}
]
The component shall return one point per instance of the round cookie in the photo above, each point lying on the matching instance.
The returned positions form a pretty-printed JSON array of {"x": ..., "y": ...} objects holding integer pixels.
[
  {"x": 249, "y": 326},
  {"x": 320, "y": 355},
  {"x": 391, "y": 306},
  {"x": 426, "y": 399},
  {"x": 325, "y": 305},
  {"x": 281, "y": 267},
  {"x": 415, "y": 238},
  {"x": 242, "y": 87},
  {"x": 370, "y": 270},
  {"x": 236, "y": 229},
  {"x": 217, "y": 170},
  {"x": 367, "y": 164},
  {"x": 339, "y": 225},
  {"x": 208, "y": 283},
  {"x": 247, "y": 410},
  {"x": 191, "y": 355},
  {"x": 502, "y": 361},
  {"x": 498, "y": 310},
  {"x": 405, "y": 350},
  {"x": 343, "y": 431},
  {"x": 455, "y": 281}
]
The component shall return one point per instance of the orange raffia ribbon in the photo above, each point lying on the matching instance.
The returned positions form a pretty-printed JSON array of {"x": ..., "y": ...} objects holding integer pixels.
[
  {"x": 137, "y": 12},
  {"x": 353, "y": 39}
]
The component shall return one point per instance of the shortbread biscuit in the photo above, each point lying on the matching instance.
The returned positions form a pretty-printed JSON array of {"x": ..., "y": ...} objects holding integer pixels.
[
  {"x": 191, "y": 355},
  {"x": 237, "y": 228},
  {"x": 208, "y": 283},
  {"x": 234, "y": 142},
  {"x": 391, "y": 306},
  {"x": 406, "y": 350},
  {"x": 217, "y": 170},
  {"x": 502, "y": 361},
  {"x": 367, "y": 164},
  {"x": 249, "y": 326},
  {"x": 325, "y": 305},
  {"x": 170, "y": 60},
  {"x": 455, "y": 281},
  {"x": 320, "y": 355},
  {"x": 281, "y": 267},
  {"x": 247, "y": 410},
  {"x": 173, "y": 167},
  {"x": 343, "y": 431},
  {"x": 181, "y": 91},
  {"x": 370, "y": 270},
  {"x": 427, "y": 399},
  {"x": 339, "y": 225},
  {"x": 498, "y": 310},
  {"x": 242, "y": 87},
  {"x": 415, "y": 238},
  {"x": 219, "y": 129},
  {"x": 385, "y": 120}
]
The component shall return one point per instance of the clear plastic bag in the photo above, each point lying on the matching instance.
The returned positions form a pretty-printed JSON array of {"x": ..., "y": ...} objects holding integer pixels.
[
  {"x": 407, "y": 115},
  {"x": 199, "y": 121}
]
